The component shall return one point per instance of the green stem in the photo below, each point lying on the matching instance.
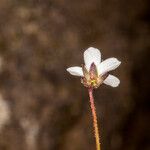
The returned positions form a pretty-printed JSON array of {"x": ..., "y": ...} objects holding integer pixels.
[{"x": 97, "y": 139}]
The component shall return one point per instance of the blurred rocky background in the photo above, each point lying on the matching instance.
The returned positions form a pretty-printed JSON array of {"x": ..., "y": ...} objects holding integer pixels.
[{"x": 42, "y": 107}]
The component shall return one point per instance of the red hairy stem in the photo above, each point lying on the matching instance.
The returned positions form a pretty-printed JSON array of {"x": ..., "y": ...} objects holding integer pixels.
[{"x": 93, "y": 109}]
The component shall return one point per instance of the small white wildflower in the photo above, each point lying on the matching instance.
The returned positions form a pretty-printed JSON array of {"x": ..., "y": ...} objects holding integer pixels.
[{"x": 95, "y": 72}]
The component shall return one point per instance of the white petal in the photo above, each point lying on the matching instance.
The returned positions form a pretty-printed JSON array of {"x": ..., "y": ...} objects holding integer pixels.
[
  {"x": 92, "y": 55},
  {"x": 76, "y": 71},
  {"x": 108, "y": 65},
  {"x": 112, "y": 81}
]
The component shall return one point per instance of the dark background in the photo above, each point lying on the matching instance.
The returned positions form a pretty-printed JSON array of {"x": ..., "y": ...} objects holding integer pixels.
[{"x": 42, "y": 107}]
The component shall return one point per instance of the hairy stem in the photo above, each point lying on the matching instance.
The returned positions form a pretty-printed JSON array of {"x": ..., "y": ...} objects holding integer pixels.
[{"x": 94, "y": 119}]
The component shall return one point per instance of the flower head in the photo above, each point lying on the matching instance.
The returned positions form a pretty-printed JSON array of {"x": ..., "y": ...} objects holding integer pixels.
[{"x": 95, "y": 72}]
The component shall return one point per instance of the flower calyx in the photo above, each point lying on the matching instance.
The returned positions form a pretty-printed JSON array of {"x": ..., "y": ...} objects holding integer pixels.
[{"x": 91, "y": 79}]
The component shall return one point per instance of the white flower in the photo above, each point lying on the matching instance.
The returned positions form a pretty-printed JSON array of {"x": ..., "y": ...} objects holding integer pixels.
[{"x": 95, "y": 72}]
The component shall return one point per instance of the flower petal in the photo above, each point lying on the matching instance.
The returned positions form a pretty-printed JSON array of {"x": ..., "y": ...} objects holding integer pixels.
[
  {"x": 112, "y": 81},
  {"x": 76, "y": 71},
  {"x": 108, "y": 65},
  {"x": 92, "y": 55}
]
